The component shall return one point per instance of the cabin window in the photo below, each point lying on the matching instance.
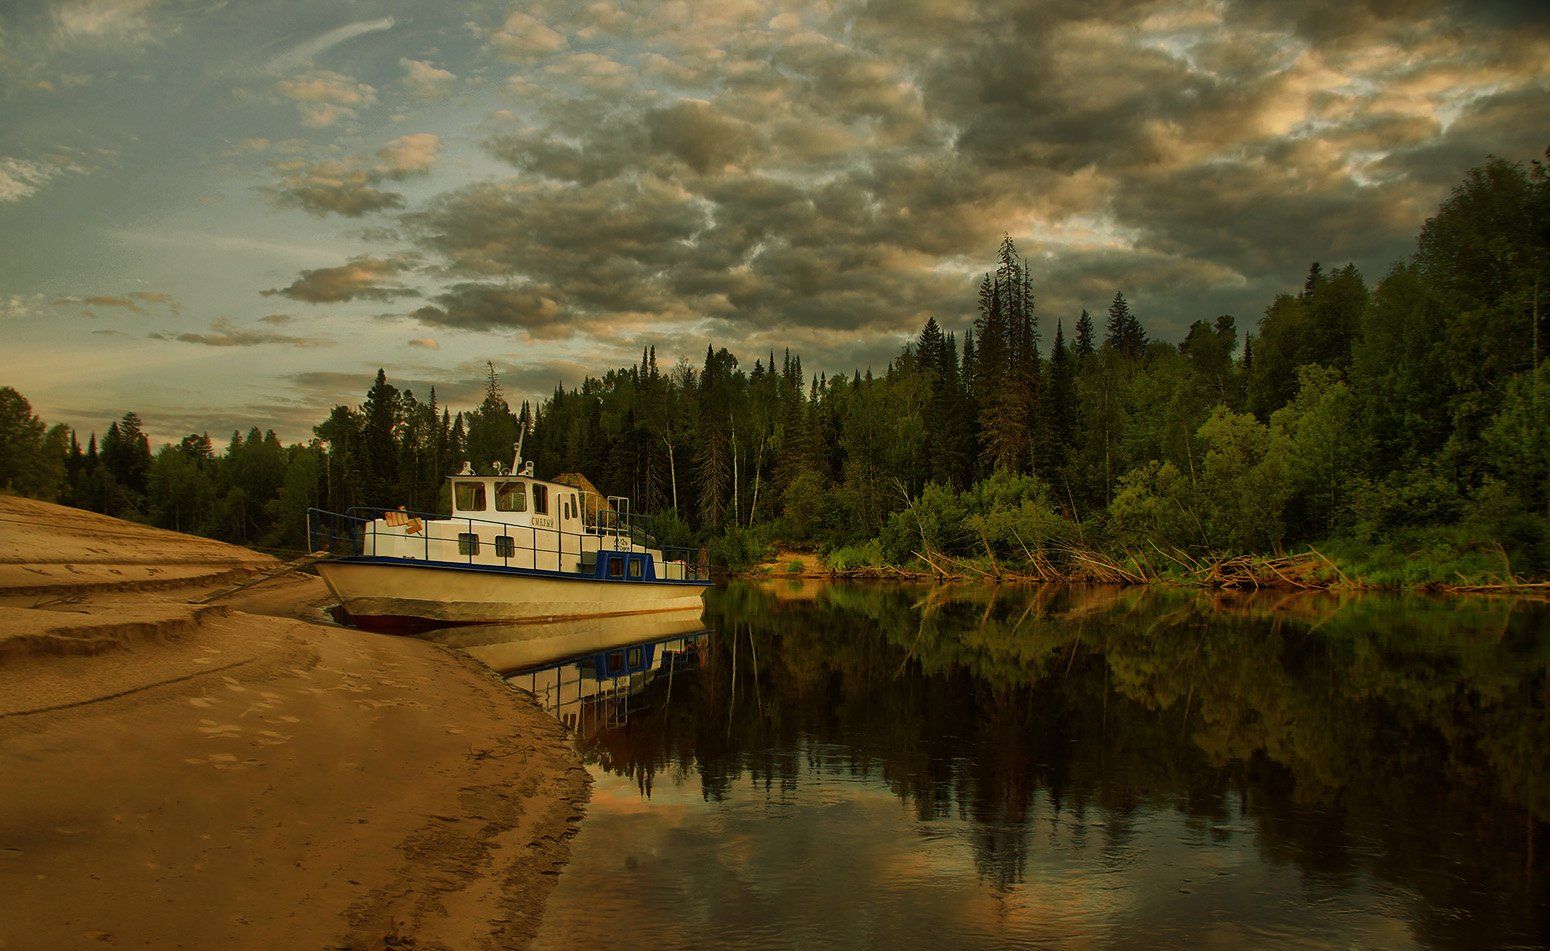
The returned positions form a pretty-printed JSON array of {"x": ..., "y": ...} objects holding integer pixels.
[
  {"x": 540, "y": 499},
  {"x": 637, "y": 566},
  {"x": 467, "y": 543},
  {"x": 615, "y": 566},
  {"x": 616, "y": 662},
  {"x": 470, "y": 496},
  {"x": 511, "y": 496},
  {"x": 504, "y": 546},
  {"x": 636, "y": 658}
]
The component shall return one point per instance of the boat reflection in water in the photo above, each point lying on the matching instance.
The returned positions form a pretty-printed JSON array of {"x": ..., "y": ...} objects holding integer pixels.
[{"x": 585, "y": 672}]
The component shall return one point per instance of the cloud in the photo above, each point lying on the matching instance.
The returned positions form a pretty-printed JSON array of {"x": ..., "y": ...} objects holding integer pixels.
[
  {"x": 409, "y": 155},
  {"x": 338, "y": 187},
  {"x": 21, "y": 178},
  {"x": 224, "y": 333},
  {"x": 698, "y": 135},
  {"x": 17, "y": 306},
  {"x": 523, "y": 35},
  {"x": 276, "y": 320},
  {"x": 350, "y": 186},
  {"x": 362, "y": 278},
  {"x": 828, "y": 175},
  {"x": 158, "y": 297},
  {"x": 302, "y": 54},
  {"x": 122, "y": 20},
  {"x": 425, "y": 343},
  {"x": 100, "y": 300},
  {"x": 498, "y": 307},
  {"x": 131, "y": 302},
  {"x": 425, "y": 80},
  {"x": 325, "y": 96}
]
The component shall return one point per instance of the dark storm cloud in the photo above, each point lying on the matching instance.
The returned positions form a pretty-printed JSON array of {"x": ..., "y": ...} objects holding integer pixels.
[
  {"x": 836, "y": 175},
  {"x": 1512, "y": 124},
  {"x": 695, "y": 133},
  {"x": 497, "y": 307}
]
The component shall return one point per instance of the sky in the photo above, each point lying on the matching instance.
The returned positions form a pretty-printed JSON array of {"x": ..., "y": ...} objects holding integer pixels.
[{"x": 227, "y": 214}]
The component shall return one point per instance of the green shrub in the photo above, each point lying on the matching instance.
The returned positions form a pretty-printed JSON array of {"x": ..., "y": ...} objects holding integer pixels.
[
  {"x": 737, "y": 548},
  {"x": 851, "y": 557}
]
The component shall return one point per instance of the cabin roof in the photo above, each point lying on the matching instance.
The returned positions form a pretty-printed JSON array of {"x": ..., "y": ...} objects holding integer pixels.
[{"x": 508, "y": 478}]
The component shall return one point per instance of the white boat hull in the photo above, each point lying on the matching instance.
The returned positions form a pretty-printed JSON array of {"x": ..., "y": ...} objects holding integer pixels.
[{"x": 408, "y": 596}]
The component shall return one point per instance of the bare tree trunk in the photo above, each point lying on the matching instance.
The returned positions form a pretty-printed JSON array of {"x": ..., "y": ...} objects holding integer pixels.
[
  {"x": 758, "y": 464},
  {"x": 737, "y": 505},
  {"x": 1535, "y": 318},
  {"x": 672, "y": 469}
]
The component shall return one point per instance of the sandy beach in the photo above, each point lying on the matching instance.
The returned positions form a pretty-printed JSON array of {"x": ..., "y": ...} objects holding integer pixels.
[{"x": 242, "y": 773}]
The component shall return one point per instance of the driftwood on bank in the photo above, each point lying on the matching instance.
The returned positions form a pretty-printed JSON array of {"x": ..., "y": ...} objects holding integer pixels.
[{"x": 1070, "y": 562}]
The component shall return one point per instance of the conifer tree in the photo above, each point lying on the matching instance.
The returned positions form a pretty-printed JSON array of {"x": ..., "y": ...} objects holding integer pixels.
[
  {"x": 1084, "y": 336},
  {"x": 1060, "y": 407},
  {"x": 1007, "y": 363},
  {"x": 379, "y": 441},
  {"x": 1124, "y": 333}
]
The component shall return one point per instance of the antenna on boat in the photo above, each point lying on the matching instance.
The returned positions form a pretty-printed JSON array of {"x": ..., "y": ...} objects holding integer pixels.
[{"x": 518, "y": 467}]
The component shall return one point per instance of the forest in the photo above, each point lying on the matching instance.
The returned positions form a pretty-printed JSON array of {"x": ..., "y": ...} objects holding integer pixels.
[{"x": 1399, "y": 430}]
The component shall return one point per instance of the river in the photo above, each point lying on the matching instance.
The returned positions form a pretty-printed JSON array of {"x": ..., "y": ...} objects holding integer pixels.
[{"x": 843, "y": 765}]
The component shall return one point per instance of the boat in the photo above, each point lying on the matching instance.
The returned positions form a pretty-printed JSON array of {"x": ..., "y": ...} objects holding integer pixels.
[{"x": 514, "y": 549}]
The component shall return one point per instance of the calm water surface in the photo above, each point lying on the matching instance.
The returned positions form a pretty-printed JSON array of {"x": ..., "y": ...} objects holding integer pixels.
[{"x": 848, "y": 766}]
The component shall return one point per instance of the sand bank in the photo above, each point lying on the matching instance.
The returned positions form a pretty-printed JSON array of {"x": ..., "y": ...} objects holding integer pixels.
[{"x": 244, "y": 775}]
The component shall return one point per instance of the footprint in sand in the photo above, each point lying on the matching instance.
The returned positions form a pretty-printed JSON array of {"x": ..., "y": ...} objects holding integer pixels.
[
  {"x": 201, "y": 701},
  {"x": 213, "y": 729},
  {"x": 271, "y": 738}
]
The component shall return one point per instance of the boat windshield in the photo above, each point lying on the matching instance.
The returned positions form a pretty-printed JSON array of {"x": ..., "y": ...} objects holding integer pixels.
[
  {"x": 511, "y": 497},
  {"x": 469, "y": 496}
]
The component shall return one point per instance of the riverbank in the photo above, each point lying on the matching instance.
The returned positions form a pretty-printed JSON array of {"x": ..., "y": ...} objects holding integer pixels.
[
  {"x": 245, "y": 774},
  {"x": 1310, "y": 569}
]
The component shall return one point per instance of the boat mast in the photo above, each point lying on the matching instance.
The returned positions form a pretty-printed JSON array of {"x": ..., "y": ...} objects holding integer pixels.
[{"x": 516, "y": 462}]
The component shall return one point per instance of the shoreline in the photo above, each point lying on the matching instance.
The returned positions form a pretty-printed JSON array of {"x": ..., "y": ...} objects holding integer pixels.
[
  {"x": 1304, "y": 571},
  {"x": 246, "y": 774}
]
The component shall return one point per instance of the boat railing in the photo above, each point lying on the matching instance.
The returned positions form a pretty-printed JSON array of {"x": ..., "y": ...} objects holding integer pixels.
[{"x": 347, "y": 534}]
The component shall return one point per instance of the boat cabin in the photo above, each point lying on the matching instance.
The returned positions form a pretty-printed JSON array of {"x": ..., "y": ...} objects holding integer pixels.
[
  {"x": 522, "y": 522},
  {"x": 517, "y": 500}
]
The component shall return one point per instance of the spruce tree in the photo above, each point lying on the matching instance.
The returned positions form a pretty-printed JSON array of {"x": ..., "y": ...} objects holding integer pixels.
[
  {"x": 1124, "y": 333},
  {"x": 379, "y": 441},
  {"x": 1060, "y": 407},
  {"x": 1084, "y": 336}
]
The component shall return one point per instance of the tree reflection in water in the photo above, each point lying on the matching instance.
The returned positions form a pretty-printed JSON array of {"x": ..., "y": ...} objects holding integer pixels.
[{"x": 1399, "y": 738}]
